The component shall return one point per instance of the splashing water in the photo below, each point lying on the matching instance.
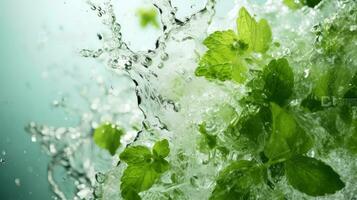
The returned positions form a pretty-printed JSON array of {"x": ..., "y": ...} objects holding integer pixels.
[{"x": 172, "y": 101}]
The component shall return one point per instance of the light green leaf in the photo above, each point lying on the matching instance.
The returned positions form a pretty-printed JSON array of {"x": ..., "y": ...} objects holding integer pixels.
[
  {"x": 221, "y": 41},
  {"x": 161, "y": 149},
  {"x": 107, "y": 136},
  {"x": 287, "y": 138},
  {"x": 136, "y": 155},
  {"x": 222, "y": 61},
  {"x": 293, "y": 4},
  {"x": 137, "y": 178},
  {"x": 148, "y": 16},
  {"x": 279, "y": 81},
  {"x": 257, "y": 35},
  {"x": 312, "y": 176}
]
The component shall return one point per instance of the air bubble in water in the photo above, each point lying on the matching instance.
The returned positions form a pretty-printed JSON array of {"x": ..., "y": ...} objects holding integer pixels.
[
  {"x": 17, "y": 182},
  {"x": 100, "y": 177}
]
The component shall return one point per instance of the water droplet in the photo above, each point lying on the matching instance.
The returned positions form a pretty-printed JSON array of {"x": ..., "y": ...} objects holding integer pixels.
[
  {"x": 33, "y": 138},
  {"x": 148, "y": 61},
  {"x": 164, "y": 56},
  {"x": 306, "y": 73},
  {"x": 2, "y": 160},
  {"x": 100, "y": 177},
  {"x": 353, "y": 27},
  {"x": 17, "y": 182},
  {"x": 3, "y": 152}
]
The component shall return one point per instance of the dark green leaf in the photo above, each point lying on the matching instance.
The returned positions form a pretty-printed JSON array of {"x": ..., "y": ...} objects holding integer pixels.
[
  {"x": 279, "y": 81},
  {"x": 287, "y": 138},
  {"x": 107, "y": 136},
  {"x": 254, "y": 124},
  {"x": 237, "y": 180},
  {"x": 312, "y": 176}
]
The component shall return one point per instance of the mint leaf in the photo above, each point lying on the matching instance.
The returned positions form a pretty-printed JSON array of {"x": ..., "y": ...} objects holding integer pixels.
[
  {"x": 279, "y": 81},
  {"x": 257, "y": 35},
  {"x": 221, "y": 61},
  {"x": 254, "y": 124},
  {"x": 221, "y": 41},
  {"x": 312, "y": 176},
  {"x": 161, "y": 149},
  {"x": 136, "y": 155},
  {"x": 287, "y": 138},
  {"x": 293, "y": 4},
  {"x": 148, "y": 16},
  {"x": 237, "y": 180},
  {"x": 333, "y": 82},
  {"x": 208, "y": 139},
  {"x": 310, "y": 3},
  {"x": 144, "y": 168},
  {"x": 137, "y": 178},
  {"x": 160, "y": 165},
  {"x": 107, "y": 136}
]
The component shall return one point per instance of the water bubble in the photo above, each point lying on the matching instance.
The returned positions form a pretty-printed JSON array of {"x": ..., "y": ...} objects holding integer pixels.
[
  {"x": 147, "y": 61},
  {"x": 33, "y": 138},
  {"x": 128, "y": 65},
  {"x": 160, "y": 66},
  {"x": 116, "y": 27},
  {"x": 17, "y": 182},
  {"x": 164, "y": 56},
  {"x": 100, "y": 177}
]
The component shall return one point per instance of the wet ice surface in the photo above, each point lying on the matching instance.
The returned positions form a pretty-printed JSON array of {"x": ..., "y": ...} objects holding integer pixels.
[{"x": 159, "y": 93}]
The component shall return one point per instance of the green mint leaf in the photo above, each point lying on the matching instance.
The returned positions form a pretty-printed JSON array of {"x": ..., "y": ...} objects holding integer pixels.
[
  {"x": 237, "y": 180},
  {"x": 312, "y": 176},
  {"x": 107, "y": 136},
  {"x": 209, "y": 140},
  {"x": 137, "y": 178},
  {"x": 351, "y": 141},
  {"x": 279, "y": 81},
  {"x": 148, "y": 16},
  {"x": 293, "y": 4},
  {"x": 333, "y": 82},
  {"x": 221, "y": 41},
  {"x": 161, "y": 149},
  {"x": 160, "y": 165},
  {"x": 253, "y": 125},
  {"x": 312, "y": 103},
  {"x": 287, "y": 138},
  {"x": 144, "y": 168},
  {"x": 221, "y": 61},
  {"x": 136, "y": 155},
  {"x": 257, "y": 35},
  {"x": 310, "y": 3}
]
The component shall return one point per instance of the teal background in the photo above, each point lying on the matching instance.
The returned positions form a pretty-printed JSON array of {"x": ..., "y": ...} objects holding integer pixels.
[{"x": 36, "y": 38}]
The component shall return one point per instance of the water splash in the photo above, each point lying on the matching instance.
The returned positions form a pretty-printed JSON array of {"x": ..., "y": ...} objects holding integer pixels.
[{"x": 171, "y": 101}]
